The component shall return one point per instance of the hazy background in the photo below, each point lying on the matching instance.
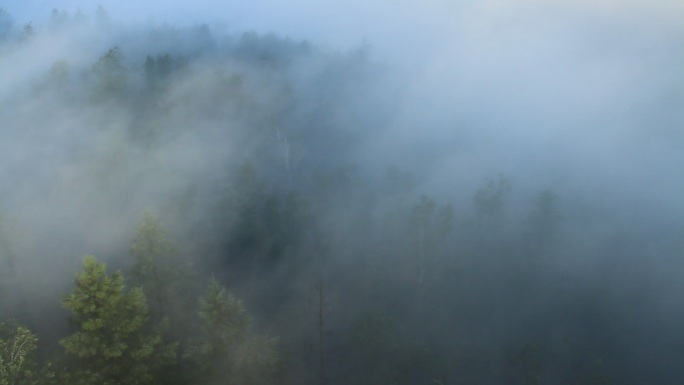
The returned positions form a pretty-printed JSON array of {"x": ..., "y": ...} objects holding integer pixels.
[{"x": 581, "y": 98}]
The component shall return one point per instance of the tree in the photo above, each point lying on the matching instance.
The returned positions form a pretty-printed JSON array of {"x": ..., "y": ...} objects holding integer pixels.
[
  {"x": 152, "y": 250},
  {"x": 166, "y": 282},
  {"x": 157, "y": 70},
  {"x": 16, "y": 344},
  {"x": 110, "y": 75},
  {"x": 112, "y": 343},
  {"x": 228, "y": 349}
]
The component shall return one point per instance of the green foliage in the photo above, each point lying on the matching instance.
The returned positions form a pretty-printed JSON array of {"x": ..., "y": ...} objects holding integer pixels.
[
  {"x": 151, "y": 251},
  {"x": 111, "y": 343},
  {"x": 228, "y": 349},
  {"x": 149, "y": 244},
  {"x": 225, "y": 318},
  {"x": 16, "y": 344},
  {"x": 167, "y": 282}
]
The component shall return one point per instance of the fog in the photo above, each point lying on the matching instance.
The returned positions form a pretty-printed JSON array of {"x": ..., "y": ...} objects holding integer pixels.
[{"x": 502, "y": 178}]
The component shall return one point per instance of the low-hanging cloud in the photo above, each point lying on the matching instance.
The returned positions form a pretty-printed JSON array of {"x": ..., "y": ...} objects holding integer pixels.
[{"x": 577, "y": 97}]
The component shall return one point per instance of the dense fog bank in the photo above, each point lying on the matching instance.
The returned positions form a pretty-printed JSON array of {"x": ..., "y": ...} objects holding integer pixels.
[{"x": 495, "y": 197}]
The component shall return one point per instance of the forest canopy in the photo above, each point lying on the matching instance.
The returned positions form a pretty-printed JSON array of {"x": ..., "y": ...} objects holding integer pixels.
[{"x": 186, "y": 204}]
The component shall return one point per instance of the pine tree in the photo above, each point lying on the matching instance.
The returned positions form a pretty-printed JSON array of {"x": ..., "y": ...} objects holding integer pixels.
[
  {"x": 166, "y": 281},
  {"x": 16, "y": 344},
  {"x": 151, "y": 251},
  {"x": 228, "y": 349},
  {"x": 110, "y": 76},
  {"x": 112, "y": 343}
]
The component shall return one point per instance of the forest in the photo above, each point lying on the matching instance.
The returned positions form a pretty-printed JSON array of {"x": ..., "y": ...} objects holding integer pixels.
[{"x": 194, "y": 205}]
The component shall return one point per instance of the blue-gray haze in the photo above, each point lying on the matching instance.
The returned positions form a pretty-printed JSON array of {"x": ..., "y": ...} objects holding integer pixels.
[{"x": 553, "y": 129}]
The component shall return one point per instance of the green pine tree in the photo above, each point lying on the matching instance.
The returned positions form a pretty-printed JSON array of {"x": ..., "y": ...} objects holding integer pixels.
[
  {"x": 112, "y": 343},
  {"x": 16, "y": 344},
  {"x": 168, "y": 283},
  {"x": 152, "y": 251},
  {"x": 228, "y": 349}
]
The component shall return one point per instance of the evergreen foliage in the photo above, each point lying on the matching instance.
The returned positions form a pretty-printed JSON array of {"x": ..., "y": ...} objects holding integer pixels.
[
  {"x": 228, "y": 349},
  {"x": 16, "y": 345},
  {"x": 112, "y": 342},
  {"x": 152, "y": 251},
  {"x": 167, "y": 283}
]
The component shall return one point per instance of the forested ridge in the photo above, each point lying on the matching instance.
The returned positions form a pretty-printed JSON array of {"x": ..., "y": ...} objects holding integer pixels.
[{"x": 181, "y": 205}]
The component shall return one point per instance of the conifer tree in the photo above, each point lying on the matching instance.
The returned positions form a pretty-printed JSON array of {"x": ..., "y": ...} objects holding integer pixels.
[
  {"x": 151, "y": 251},
  {"x": 166, "y": 281},
  {"x": 16, "y": 345},
  {"x": 228, "y": 349},
  {"x": 112, "y": 343},
  {"x": 110, "y": 76}
]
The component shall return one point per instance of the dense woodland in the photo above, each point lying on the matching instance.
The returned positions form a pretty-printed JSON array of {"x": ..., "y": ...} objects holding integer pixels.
[{"x": 188, "y": 206}]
